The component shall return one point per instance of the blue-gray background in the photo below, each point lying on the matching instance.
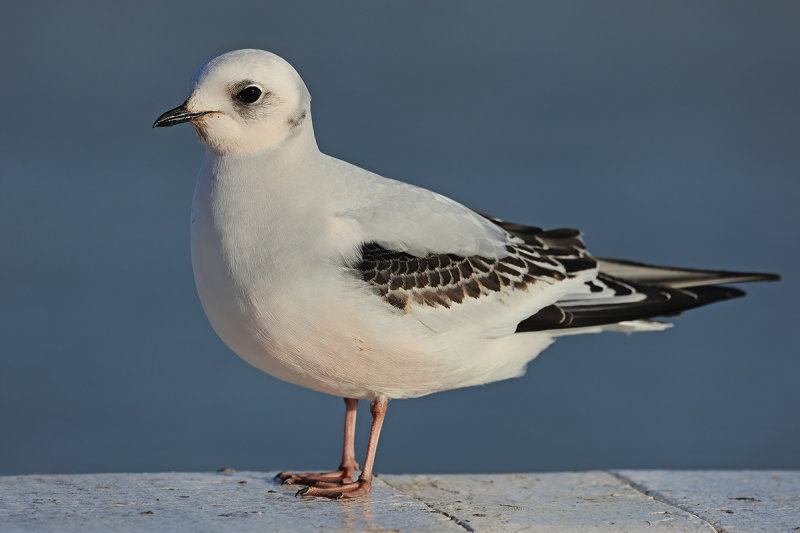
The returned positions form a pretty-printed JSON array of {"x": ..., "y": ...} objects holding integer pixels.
[{"x": 667, "y": 131}]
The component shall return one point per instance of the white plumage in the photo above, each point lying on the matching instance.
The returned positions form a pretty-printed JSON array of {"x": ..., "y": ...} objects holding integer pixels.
[
  {"x": 273, "y": 230},
  {"x": 270, "y": 250},
  {"x": 334, "y": 278}
]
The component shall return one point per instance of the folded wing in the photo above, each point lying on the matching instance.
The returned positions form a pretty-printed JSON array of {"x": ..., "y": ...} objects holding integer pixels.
[{"x": 626, "y": 290}]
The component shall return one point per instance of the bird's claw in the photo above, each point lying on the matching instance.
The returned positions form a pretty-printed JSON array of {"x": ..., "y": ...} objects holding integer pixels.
[
  {"x": 347, "y": 490},
  {"x": 327, "y": 479}
]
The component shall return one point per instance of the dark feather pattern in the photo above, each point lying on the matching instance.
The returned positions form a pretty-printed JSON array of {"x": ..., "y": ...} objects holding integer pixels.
[
  {"x": 546, "y": 256},
  {"x": 447, "y": 279},
  {"x": 663, "y": 291},
  {"x": 657, "y": 302}
]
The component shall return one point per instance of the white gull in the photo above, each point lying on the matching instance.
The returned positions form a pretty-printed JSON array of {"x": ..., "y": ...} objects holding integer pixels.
[{"x": 332, "y": 277}]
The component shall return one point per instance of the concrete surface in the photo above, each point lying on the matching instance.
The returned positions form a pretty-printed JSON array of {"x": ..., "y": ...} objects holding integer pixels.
[
  {"x": 251, "y": 501},
  {"x": 731, "y": 501}
]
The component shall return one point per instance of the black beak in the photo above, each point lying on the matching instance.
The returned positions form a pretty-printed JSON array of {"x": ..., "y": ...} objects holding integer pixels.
[{"x": 179, "y": 115}]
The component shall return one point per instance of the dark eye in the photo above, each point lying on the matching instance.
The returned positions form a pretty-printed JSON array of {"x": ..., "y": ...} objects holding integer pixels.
[{"x": 248, "y": 95}]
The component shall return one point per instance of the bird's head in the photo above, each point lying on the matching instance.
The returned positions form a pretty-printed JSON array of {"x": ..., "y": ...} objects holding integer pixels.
[{"x": 244, "y": 101}]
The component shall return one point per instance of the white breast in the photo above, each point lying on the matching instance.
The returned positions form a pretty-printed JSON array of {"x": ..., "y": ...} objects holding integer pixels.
[
  {"x": 270, "y": 271},
  {"x": 240, "y": 266},
  {"x": 272, "y": 288}
]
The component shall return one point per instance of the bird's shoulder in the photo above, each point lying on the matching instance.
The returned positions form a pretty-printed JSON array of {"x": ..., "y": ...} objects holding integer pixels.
[{"x": 408, "y": 218}]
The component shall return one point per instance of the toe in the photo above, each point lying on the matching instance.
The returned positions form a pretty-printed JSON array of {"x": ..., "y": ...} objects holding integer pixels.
[{"x": 336, "y": 492}]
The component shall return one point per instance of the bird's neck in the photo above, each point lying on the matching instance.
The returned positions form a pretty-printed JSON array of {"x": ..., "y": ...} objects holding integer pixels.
[{"x": 283, "y": 160}]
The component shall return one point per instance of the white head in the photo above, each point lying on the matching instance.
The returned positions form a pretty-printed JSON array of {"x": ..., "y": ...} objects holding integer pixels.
[{"x": 244, "y": 101}]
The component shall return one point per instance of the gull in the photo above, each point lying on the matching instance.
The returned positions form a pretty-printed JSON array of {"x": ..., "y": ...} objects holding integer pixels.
[{"x": 334, "y": 278}]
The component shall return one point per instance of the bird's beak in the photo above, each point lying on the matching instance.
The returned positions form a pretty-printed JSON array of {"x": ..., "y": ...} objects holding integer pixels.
[{"x": 179, "y": 115}]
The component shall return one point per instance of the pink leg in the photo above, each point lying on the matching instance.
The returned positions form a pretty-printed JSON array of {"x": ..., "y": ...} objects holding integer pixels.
[
  {"x": 347, "y": 470},
  {"x": 364, "y": 483}
]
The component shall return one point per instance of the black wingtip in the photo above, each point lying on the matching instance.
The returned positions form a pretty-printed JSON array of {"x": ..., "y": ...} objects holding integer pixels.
[
  {"x": 676, "y": 277},
  {"x": 714, "y": 293},
  {"x": 660, "y": 302}
]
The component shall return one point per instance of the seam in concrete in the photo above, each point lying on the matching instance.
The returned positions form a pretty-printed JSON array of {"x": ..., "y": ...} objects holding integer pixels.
[
  {"x": 659, "y": 497},
  {"x": 455, "y": 519}
]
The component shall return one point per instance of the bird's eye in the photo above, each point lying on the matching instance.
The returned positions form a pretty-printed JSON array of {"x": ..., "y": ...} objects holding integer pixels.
[{"x": 249, "y": 94}]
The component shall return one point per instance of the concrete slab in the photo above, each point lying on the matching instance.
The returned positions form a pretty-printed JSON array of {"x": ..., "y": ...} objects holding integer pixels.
[
  {"x": 562, "y": 502},
  {"x": 208, "y": 502},
  {"x": 732, "y": 501},
  {"x": 250, "y": 501}
]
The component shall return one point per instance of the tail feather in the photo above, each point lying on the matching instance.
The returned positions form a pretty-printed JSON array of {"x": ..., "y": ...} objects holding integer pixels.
[
  {"x": 674, "y": 277},
  {"x": 625, "y": 294},
  {"x": 655, "y": 302}
]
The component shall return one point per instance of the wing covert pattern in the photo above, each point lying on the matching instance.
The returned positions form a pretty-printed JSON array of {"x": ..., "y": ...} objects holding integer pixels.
[
  {"x": 533, "y": 256},
  {"x": 447, "y": 279}
]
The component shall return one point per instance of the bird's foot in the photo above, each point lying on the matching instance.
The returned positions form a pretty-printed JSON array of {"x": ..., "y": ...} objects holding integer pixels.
[
  {"x": 336, "y": 478},
  {"x": 336, "y": 492}
]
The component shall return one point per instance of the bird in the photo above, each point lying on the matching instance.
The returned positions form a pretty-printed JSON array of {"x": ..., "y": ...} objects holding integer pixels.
[{"x": 334, "y": 278}]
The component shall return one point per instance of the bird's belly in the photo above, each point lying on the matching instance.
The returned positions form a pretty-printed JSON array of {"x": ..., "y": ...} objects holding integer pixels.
[
  {"x": 309, "y": 324},
  {"x": 297, "y": 334},
  {"x": 269, "y": 334},
  {"x": 273, "y": 322}
]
